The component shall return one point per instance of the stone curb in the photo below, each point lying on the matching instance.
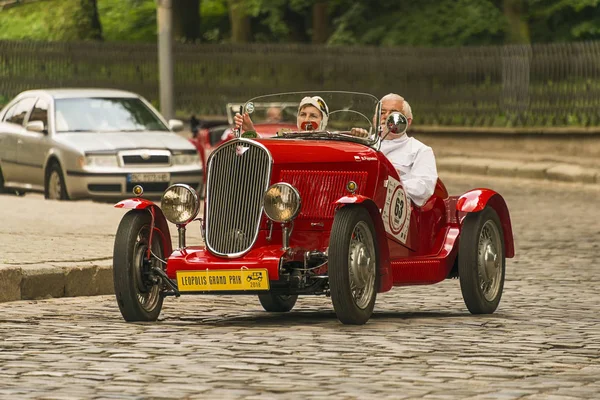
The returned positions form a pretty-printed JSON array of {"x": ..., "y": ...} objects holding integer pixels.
[
  {"x": 551, "y": 171},
  {"x": 50, "y": 281}
]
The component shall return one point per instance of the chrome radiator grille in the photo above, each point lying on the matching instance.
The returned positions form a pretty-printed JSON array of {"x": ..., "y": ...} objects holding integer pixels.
[{"x": 238, "y": 175}]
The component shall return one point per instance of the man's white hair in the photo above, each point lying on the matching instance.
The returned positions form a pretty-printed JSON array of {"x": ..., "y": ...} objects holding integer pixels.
[{"x": 406, "y": 110}]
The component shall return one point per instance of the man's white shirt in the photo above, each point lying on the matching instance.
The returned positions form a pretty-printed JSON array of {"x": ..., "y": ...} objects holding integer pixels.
[{"x": 415, "y": 164}]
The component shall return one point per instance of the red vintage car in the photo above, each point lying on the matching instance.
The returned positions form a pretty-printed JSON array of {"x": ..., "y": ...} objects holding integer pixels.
[{"x": 311, "y": 213}]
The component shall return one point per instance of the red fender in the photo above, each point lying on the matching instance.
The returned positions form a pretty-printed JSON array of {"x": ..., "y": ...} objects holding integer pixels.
[
  {"x": 386, "y": 281},
  {"x": 477, "y": 199},
  {"x": 158, "y": 218}
]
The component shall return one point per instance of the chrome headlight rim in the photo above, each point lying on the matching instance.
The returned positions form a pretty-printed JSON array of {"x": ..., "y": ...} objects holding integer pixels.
[
  {"x": 195, "y": 196},
  {"x": 296, "y": 193}
]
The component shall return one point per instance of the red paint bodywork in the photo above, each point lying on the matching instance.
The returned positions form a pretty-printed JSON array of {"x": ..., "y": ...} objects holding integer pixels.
[
  {"x": 477, "y": 199},
  {"x": 320, "y": 171},
  {"x": 159, "y": 222}
]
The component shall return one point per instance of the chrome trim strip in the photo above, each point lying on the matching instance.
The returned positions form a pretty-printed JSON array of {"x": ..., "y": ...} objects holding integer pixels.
[{"x": 209, "y": 176}]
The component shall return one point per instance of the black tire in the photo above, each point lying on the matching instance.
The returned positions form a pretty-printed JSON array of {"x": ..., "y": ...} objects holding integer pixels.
[
  {"x": 277, "y": 303},
  {"x": 55, "y": 172},
  {"x": 2, "y": 190},
  {"x": 138, "y": 293},
  {"x": 481, "y": 261},
  {"x": 346, "y": 243}
]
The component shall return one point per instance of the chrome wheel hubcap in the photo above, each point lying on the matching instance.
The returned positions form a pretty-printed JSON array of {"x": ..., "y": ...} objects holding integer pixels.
[
  {"x": 361, "y": 263},
  {"x": 489, "y": 261}
]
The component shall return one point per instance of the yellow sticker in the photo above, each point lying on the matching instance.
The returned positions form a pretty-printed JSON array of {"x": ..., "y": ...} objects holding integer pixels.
[{"x": 223, "y": 280}]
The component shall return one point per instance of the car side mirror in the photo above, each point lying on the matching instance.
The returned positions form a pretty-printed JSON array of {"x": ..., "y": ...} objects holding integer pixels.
[
  {"x": 396, "y": 123},
  {"x": 175, "y": 125},
  {"x": 36, "y": 126}
]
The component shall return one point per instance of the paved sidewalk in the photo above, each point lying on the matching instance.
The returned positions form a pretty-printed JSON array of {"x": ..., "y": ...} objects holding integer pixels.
[{"x": 64, "y": 249}]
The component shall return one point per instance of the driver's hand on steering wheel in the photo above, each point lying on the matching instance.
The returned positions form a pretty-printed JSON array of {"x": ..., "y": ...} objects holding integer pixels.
[
  {"x": 243, "y": 121},
  {"x": 359, "y": 132}
]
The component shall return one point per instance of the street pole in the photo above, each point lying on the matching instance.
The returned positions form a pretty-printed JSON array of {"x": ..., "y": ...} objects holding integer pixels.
[{"x": 165, "y": 57}]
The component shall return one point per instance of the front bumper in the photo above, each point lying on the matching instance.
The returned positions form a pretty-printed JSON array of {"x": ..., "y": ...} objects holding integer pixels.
[
  {"x": 200, "y": 259},
  {"x": 115, "y": 185}
]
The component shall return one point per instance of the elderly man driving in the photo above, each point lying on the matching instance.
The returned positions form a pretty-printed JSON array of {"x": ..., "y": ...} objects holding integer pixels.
[{"x": 413, "y": 160}]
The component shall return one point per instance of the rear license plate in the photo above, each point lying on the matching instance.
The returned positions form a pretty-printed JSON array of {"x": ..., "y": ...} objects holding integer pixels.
[
  {"x": 223, "y": 280},
  {"x": 158, "y": 177}
]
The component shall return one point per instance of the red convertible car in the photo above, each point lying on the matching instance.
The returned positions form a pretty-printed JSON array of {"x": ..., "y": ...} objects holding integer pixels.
[{"x": 310, "y": 213}]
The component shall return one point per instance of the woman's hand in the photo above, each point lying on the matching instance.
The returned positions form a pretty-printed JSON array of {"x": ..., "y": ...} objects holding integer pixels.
[{"x": 243, "y": 121}]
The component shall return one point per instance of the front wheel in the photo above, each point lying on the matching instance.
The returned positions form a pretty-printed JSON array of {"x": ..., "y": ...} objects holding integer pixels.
[
  {"x": 137, "y": 288},
  {"x": 277, "y": 303},
  {"x": 481, "y": 261},
  {"x": 353, "y": 262},
  {"x": 55, "y": 188}
]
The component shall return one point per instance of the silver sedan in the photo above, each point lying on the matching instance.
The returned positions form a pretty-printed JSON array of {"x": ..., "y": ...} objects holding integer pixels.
[{"x": 91, "y": 143}]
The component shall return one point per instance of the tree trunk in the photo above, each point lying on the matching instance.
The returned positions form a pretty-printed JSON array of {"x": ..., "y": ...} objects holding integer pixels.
[
  {"x": 320, "y": 22},
  {"x": 240, "y": 22},
  {"x": 88, "y": 25},
  {"x": 186, "y": 19},
  {"x": 518, "y": 29}
]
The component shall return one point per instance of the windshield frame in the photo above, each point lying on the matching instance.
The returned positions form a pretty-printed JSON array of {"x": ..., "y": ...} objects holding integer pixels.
[{"x": 372, "y": 141}]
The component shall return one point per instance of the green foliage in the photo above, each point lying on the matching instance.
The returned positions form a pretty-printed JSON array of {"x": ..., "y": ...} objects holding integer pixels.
[
  {"x": 34, "y": 16},
  {"x": 215, "y": 20},
  {"x": 427, "y": 23},
  {"x": 128, "y": 20},
  {"x": 564, "y": 20}
]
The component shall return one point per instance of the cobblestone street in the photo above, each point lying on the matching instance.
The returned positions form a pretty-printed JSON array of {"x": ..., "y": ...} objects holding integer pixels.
[{"x": 543, "y": 342}]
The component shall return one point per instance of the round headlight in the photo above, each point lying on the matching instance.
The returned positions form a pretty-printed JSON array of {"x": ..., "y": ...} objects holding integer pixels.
[
  {"x": 281, "y": 202},
  {"x": 180, "y": 204}
]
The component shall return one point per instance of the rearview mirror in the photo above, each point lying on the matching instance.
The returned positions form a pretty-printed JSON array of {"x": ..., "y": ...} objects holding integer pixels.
[
  {"x": 396, "y": 123},
  {"x": 36, "y": 126},
  {"x": 175, "y": 125}
]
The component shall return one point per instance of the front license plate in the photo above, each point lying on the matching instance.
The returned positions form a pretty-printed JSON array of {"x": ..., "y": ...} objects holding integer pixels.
[
  {"x": 223, "y": 280},
  {"x": 158, "y": 177}
]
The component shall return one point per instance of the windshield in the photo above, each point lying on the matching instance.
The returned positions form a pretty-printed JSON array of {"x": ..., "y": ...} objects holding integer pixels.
[
  {"x": 319, "y": 115},
  {"x": 105, "y": 115},
  {"x": 267, "y": 112}
]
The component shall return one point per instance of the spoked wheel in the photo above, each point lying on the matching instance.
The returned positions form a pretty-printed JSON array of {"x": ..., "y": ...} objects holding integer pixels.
[
  {"x": 277, "y": 302},
  {"x": 55, "y": 184},
  {"x": 481, "y": 261},
  {"x": 353, "y": 261},
  {"x": 137, "y": 288}
]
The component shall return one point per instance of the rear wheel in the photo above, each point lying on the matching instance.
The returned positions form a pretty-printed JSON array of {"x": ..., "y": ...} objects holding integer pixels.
[
  {"x": 481, "y": 261},
  {"x": 137, "y": 288},
  {"x": 55, "y": 188},
  {"x": 353, "y": 261},
  {"x": 277, "y": 303}
]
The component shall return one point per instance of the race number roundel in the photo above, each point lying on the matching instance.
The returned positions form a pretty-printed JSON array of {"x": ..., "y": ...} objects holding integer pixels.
[{"x": 397, "y": 212}]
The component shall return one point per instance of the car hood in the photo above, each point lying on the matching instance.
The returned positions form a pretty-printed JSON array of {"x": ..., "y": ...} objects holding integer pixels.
[
  {"x": 115, "y": 141},
  {"x": 315, "y": 152}
]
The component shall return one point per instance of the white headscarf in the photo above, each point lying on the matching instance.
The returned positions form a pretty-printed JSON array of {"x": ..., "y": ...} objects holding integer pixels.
[{"x": 320, "y": 105}]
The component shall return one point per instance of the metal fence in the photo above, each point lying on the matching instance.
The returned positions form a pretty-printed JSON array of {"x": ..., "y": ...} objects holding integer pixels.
[{"x": 540, "y": 85}]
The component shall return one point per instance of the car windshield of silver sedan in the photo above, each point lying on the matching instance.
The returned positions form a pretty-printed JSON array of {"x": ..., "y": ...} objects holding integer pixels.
[{"x": 105, "y": 115}]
